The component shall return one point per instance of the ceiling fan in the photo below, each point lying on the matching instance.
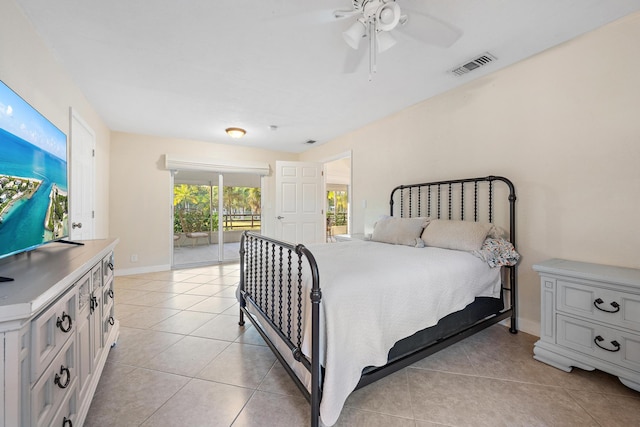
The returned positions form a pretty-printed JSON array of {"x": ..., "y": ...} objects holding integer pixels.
[{"x": 376, "y": 19}]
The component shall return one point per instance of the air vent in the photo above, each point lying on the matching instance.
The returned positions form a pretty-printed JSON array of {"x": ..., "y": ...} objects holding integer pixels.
[{"x": 484, "y": 59}]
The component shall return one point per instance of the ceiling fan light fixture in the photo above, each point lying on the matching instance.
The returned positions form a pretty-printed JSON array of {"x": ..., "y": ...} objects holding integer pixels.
[
  {"x": 387, "y": 16},
  {"x": 354, "y": 34},
  {"x": 235, "y": 132},
  {"x": 384, "y": 41}
]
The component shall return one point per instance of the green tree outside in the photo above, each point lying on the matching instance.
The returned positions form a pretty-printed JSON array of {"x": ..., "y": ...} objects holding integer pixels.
[
  {"x": 196, "y": 208},
  {"x": 337, "y": 202}
]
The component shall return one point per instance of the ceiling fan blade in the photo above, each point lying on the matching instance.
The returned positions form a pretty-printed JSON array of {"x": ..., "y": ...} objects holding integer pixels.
[
  {"x": 428, "y": 29},
  {"x": 339, "y": 14},
  {"x": 353, "y": 59},
  {"x": 307, "y": 17}
]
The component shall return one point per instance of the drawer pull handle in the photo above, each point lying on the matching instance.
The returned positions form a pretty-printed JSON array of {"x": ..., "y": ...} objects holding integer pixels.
[
  {"x": 613, "y": 304},
  {"x": 60, "y": 322},
  {"x": 110, "y": 266},
  {"x": 93, "y": 304},
  {"x": 111, "y": 320},
  {"x": 63, "y": 371},
  {"x": 110, "y": 293},
  {"x": 66, "y": 422},
  {"x": 615, "y": 343}
]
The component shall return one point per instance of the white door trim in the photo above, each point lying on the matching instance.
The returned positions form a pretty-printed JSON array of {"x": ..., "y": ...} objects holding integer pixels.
[{"x": 82, "y": 177}]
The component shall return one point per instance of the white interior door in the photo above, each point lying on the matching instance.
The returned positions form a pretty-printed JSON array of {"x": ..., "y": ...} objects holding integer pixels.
[
  {"x": 81, "y": 209},
  {"x": 300, "y": 202}
]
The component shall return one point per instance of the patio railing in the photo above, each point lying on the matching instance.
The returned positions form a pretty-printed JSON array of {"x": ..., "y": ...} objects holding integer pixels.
[{"x": 241, "y": 221}]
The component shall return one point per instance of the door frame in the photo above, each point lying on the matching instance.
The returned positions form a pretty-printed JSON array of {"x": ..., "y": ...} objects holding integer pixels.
[
  {"x": 343, "y": 155},
  {"x": 85, "y": 194}
]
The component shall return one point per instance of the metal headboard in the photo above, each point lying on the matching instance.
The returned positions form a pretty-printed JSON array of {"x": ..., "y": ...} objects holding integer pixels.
[
  {"x": 435, "y": 199},
  {"x": 452, "y": 200}
]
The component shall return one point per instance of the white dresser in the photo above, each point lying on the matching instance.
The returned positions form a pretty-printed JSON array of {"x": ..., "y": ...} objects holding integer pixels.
[
  {"x": 56, "y": 328},
  {"x": 590, "y": 318}
]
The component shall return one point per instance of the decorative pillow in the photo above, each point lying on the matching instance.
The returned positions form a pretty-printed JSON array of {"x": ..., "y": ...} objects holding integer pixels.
[
  {"x": 456, "y": 234},
  {"x": 400, "y": 231},
  {"x": 497, "y": 232},
  {"x": 497, "y": 252}
]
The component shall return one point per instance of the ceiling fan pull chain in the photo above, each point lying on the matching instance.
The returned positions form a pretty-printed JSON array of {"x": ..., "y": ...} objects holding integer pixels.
[{"x": 372, "y": 45}]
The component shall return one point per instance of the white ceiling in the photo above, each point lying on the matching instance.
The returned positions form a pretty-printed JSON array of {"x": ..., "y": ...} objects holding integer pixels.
[{"x": 189, "y": 69}]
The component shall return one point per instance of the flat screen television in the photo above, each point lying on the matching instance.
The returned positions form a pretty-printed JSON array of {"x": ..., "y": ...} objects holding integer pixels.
[{"x": 34, "y": 203}]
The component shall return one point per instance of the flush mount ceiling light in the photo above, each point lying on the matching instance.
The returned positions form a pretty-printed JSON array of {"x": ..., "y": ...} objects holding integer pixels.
[{"x": 235, "y": 132}]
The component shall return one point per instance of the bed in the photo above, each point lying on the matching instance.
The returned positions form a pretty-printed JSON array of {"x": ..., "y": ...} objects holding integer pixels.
[{"x": 428, "y": 278}]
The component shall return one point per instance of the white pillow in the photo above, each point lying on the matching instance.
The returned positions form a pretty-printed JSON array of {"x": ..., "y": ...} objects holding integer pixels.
[
  {"x": 400, "y": 231},
  {"x": 456, "y": 234}
]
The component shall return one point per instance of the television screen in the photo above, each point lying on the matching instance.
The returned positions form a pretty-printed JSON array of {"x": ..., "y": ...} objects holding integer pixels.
[{"x": 34, "y": 205}]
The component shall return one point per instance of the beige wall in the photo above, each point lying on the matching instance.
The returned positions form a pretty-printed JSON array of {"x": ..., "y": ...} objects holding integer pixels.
[
  {"x": 563, "y": 125},
  {"x": 141, "y": 194},
  {"x": 29, "y": 68}
]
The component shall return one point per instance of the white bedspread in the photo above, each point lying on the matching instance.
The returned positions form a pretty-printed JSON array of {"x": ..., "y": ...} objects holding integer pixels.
[{"x": 374, "y": 294}]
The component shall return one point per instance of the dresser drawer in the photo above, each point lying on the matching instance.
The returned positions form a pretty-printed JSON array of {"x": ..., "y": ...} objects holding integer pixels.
[
  {"x": 107, "y": 297},
  {"x": 107, "y": 267},
  {"x": 107, "y": 324},
  {"x": 599, "y": 341},
  {"x": 51, "y": 330},
  {"x": 68, "y": 412},
  {"x": 599, "y": 303},
  {"x": 52, "y": 388}
]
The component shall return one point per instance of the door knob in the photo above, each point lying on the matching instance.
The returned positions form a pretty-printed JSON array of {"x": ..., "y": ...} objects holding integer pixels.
[{"x": 76, "y": 225}]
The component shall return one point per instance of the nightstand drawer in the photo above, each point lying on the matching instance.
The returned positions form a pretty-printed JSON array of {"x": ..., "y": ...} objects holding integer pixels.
[
  {"x": 599, "y": 303},
  {"x": 592, "y": 339}
]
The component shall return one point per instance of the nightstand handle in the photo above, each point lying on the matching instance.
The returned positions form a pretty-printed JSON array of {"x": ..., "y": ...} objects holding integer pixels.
[
  {"x": 615, "y": 343},
  {"x": 613, "y": 304}
]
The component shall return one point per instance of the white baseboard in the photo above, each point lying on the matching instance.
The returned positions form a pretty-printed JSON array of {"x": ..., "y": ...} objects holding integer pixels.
[
  {"x": 141, "y": 270},
  {"x": 528, "y": 326}
]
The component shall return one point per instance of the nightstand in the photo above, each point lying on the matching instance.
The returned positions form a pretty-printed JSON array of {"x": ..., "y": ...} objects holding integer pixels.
[{"x": 590, "y": 318}]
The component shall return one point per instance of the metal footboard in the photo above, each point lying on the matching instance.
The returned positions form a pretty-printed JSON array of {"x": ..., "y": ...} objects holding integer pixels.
[{"x": 272, "y": 287}]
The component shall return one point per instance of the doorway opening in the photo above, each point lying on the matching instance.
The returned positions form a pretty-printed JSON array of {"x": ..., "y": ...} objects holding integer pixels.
[
  {"x": 208, "y": 223},
  {"x": 337, "y": 210},
  {"x": 338, "y": 198}
]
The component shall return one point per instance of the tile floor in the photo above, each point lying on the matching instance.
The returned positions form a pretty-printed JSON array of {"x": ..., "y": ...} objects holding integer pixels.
[
  {"x": 186, "y": 255},
  {"x": 182, "y": 360}
]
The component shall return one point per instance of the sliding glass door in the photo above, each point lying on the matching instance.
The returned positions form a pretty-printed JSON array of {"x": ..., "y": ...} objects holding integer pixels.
[
  {"x": 207, "y": 222},
  {"x": 241, "y": 210}
]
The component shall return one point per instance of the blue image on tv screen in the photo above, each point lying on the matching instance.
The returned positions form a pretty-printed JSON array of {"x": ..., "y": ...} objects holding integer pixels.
[{"x": 34, "y": 204}]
